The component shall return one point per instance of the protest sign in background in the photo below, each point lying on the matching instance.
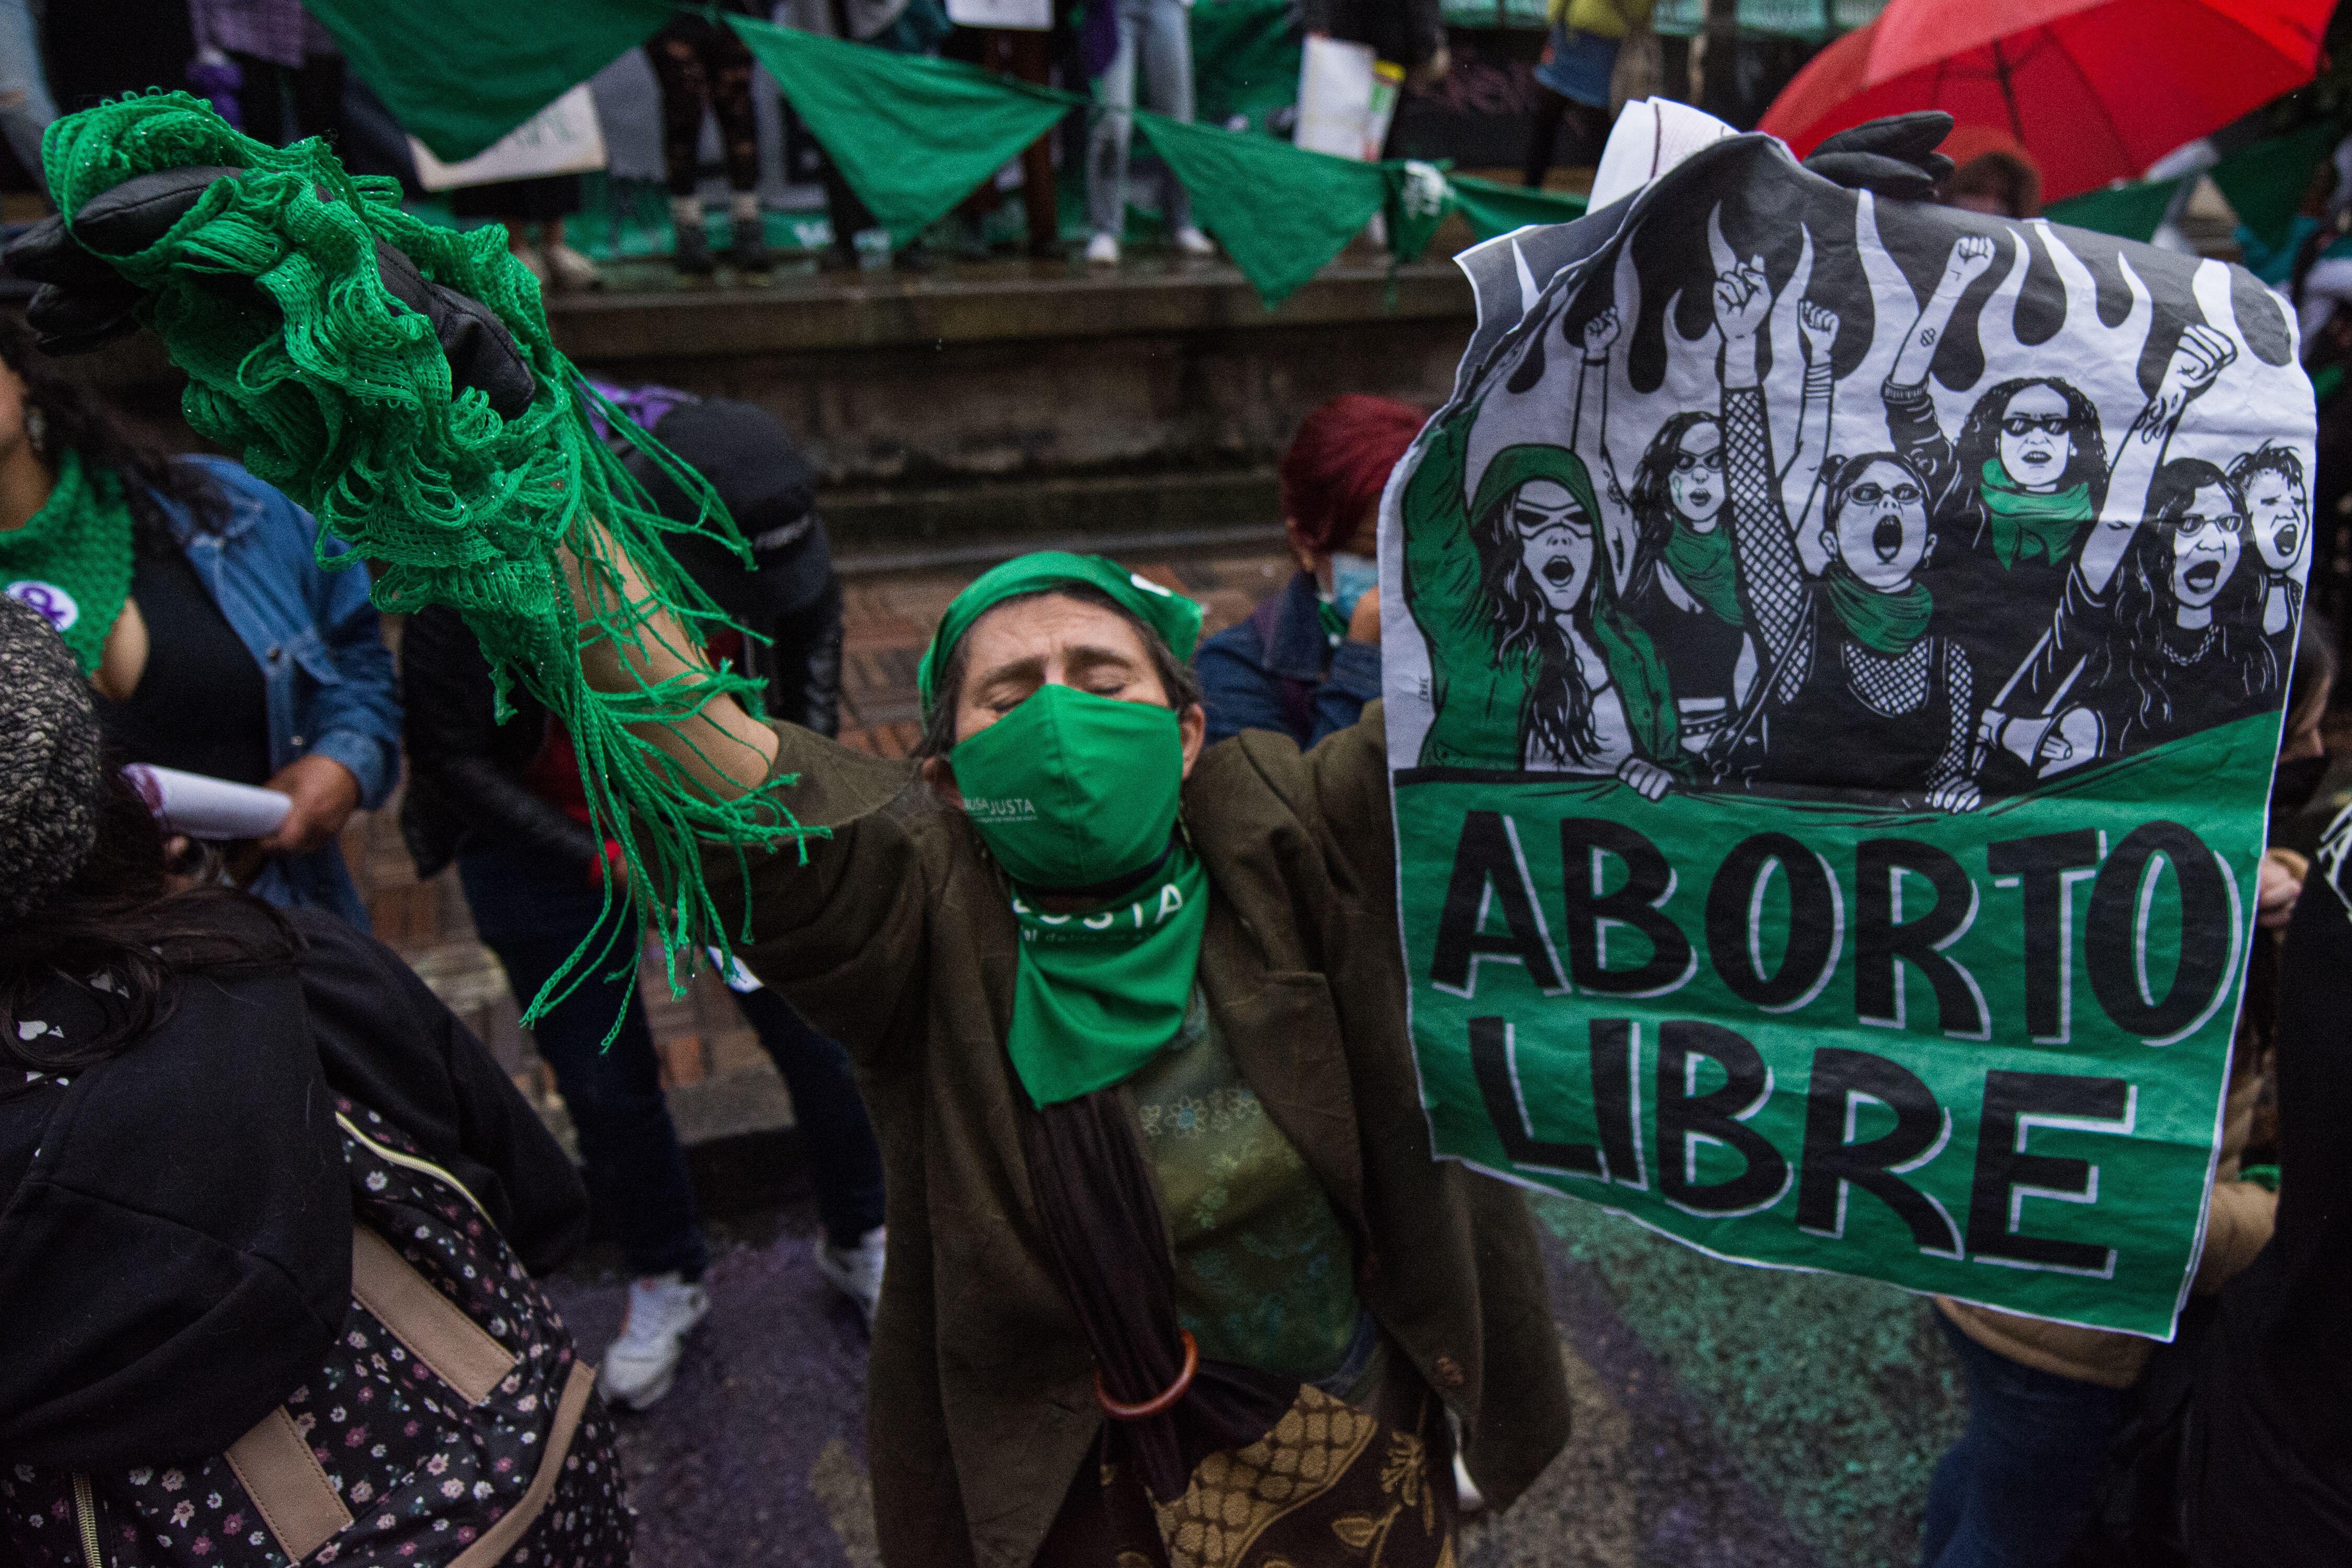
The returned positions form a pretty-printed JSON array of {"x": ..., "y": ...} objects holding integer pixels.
[{"x": 1834, "y": 658}]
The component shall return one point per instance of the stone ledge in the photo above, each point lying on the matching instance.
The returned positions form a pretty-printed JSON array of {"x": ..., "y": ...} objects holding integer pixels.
[{"x": 808, "y": 312}]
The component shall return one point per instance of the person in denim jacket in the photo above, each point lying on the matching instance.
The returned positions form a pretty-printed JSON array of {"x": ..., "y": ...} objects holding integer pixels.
[
  {"x": 236, "y": 652},
  {"x": 1306, "y": 662}
]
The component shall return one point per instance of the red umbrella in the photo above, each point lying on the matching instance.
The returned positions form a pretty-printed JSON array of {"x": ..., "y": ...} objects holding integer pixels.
[{"x": 2096, "y": 89}]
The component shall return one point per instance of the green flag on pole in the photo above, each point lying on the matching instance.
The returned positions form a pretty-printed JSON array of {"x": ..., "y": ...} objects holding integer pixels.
[
  {"x": 461, "y": 77},
  {"x": 912, "y": 135},
  {"x": 1280, "y": 212}
]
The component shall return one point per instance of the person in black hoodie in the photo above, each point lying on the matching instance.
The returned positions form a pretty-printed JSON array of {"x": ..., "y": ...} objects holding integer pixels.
[
  {"x": 504, "y": 803},
  {"x": 212, "y": 1116}
]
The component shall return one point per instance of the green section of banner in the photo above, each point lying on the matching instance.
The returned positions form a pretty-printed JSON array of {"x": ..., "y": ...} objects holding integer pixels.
[
  {"x": 2265, "y": 182},
  {"x": 461, "y": 77},
  {"x": 1981, "y": 1055},
  {"x": 911, "y": 134},
  {"x": 2128, "y": 212},
  {"x": 1495, "y": 209},
  {"x": 1280, "y": 212},
  {"x": 1244, "y": 61}
]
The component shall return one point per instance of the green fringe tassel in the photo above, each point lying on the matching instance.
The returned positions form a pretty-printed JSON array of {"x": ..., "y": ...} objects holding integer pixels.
[{"x": 344, "y": 401}]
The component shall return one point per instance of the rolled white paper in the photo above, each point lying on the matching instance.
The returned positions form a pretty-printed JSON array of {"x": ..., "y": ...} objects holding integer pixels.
[{"x": 204, "y": 807}]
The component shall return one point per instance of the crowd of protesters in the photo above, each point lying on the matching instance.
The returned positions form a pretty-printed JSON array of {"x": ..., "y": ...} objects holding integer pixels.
[{"x": 302, "y": 1319}]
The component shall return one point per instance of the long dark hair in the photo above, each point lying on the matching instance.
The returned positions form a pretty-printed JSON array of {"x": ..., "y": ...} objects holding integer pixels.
[
  {"x": 119, "y": 918},
  {"x": 1979, "y": 441},
  {"x": 2145, "y": 606},
  {"x": 1653, "y": 499},
  {"x": 75, "y": 420},
  {"x": 1560, "y": 712}
]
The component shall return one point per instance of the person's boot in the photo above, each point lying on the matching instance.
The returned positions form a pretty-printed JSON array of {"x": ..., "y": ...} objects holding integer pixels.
[
  {"x": 748, "y": 248},
  {"x": 692, "y": 258}
]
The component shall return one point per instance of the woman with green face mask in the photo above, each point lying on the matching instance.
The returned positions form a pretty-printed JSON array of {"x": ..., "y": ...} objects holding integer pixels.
[
  {"x": 1168, "y": 1249},
  {"x": 1171, "y": 1276}
]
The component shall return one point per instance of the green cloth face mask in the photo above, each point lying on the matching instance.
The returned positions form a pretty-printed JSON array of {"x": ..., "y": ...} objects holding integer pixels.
[{"x": 1071, "y": 790}]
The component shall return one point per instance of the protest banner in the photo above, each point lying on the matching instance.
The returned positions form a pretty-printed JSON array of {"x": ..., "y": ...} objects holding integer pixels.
[{"x": 1834, "y": 658}]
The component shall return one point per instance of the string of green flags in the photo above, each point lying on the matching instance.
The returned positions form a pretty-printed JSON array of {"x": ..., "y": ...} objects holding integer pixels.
[{"x": 913, "y": 136}]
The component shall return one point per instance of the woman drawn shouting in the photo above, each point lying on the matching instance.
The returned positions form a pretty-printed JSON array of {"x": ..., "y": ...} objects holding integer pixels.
[
  {"x": 1683, "y": 582},
  {"x": 1862, "y": 694},
  {"x": 1531, "y": 656}
]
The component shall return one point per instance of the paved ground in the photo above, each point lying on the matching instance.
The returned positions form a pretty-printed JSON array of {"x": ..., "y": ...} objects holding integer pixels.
[{"x": 1726, "y": 1417}]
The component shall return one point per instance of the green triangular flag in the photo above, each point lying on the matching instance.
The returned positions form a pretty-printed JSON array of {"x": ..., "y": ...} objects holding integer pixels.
[
  {"x": 1280, "y": 211},
  {"x": 912, "y": 135},
  {"x": 2265, "y": 182},
  {"x": 1495, "y": 209},
  {"x": 1419, "y": 198},
  {"x": 2128, "y": 212},
  {"x": 459, "y": 75}
]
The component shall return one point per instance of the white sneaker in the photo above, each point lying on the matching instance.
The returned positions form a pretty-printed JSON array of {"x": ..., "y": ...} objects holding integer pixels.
[
  {"x": 1102, "y": 250},
  {"x": 640, "y": 1366},
  {"x": 856, "y": 1271},
  {"x": 570, "y": 269},
  {"x": 1192, "y": 242}
]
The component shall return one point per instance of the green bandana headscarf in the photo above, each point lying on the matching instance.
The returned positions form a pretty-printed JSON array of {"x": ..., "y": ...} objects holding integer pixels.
[
  {"x": 2027, "y": 524},
  {"x": 1176, "y": 618},
  {"x": 1883, "y": 622},
  {"x": 1098, "y": 995},
  {"x": 1704, "y": 563},
  {"x": 1639, "y": 674},
  {"x": 72, "y": 561}
]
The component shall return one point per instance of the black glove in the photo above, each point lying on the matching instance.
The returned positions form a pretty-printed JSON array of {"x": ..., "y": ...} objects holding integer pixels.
[
  {"x": 84, "y": 304},
  {"x": 1895, "y": 156}
]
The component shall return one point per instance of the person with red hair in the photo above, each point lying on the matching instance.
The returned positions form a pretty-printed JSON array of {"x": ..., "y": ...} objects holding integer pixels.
[{"x": 1308, "y": 659}]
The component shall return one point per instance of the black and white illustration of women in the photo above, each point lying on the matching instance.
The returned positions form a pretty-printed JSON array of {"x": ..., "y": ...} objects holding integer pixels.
[{"x": 1922, "y": 516}]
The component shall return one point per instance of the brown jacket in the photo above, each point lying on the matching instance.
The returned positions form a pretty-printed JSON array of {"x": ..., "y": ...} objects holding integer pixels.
[
  {"x": 2237, "y": 1223},
  {"x": 897, "y": 938}
]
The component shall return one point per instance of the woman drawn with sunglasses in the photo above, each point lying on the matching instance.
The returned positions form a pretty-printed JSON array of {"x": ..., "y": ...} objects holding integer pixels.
[
  {"x": 2158, "y": 630},
  {"x": 1861, "y": 694},
  {"x": 1533, "y": 663},
  {"x": 2013, "y": 495},
  {"x": 2279, "y": 504},
  {"x": 1684, "y": 581}
]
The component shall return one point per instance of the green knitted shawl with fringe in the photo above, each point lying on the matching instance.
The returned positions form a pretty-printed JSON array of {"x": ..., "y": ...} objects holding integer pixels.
[{"x": 342, "y": 399}]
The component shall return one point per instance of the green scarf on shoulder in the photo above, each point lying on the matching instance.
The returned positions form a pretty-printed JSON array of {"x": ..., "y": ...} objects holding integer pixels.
[
  {"x": 1704, "y": 564},
  {"x": 72, "y": 558},
  {"x": 1634, "y": 666},
  {"x": 2024, "y": 524},
  {"x": 1883, "y": 622}
]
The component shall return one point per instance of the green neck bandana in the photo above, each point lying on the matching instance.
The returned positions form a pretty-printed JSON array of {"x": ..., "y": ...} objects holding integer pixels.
[
  {"x": 1882, "y": 622},
  {"x": 72, "y": 560},
  {"x": 1098, "y": 995},
  {"x": 2027, "y": 524},
  {"x": 1177, "y": 619},
  {"x": 1703, "y": 563}
]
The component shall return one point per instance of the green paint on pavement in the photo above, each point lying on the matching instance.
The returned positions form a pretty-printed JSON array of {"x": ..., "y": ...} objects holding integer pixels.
[{"x": 1835, "y": 1395}]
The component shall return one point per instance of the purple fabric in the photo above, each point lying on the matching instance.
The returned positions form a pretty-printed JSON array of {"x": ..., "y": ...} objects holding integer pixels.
[
  {"x": 646, "y": 405},
  {"x": 278, "y": 31},
  {"x": 1098, "y": 36}
]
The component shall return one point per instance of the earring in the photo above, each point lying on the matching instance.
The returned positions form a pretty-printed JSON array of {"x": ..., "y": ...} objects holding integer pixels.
[{"x": 36, "y": 429}]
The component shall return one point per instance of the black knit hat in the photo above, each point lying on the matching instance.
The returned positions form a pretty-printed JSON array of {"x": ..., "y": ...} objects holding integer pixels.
[
  {"x": 770, "y": 490},
  {"x": 49, "y": 781}
]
